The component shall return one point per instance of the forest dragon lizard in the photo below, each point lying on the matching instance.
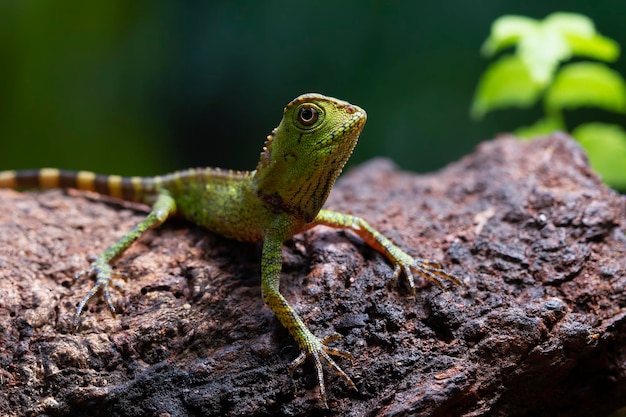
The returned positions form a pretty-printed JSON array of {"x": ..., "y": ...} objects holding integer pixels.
[{"x": 283, "y": 196}]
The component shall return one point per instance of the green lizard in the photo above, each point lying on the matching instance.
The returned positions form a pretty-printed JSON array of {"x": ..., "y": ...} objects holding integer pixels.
[{"x": 284, "y": 196}]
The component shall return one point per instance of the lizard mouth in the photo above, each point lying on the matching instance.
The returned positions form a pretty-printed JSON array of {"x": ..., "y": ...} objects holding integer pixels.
[
  {"x": 355, "y": 123},
  {"x": 343, "y": 139}
]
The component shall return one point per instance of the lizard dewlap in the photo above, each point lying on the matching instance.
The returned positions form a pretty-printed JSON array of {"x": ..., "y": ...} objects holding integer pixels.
[{"x": 283, "y": 196}]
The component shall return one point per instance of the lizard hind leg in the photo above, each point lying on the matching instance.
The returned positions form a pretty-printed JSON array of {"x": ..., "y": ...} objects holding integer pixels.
[{"x": 101, "y": 267}]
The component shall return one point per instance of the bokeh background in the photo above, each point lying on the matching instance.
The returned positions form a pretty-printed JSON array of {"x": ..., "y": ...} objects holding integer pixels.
[{"x": 142, "y": 88}]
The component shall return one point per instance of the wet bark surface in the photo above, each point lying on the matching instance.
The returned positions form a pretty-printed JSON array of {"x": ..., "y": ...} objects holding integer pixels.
[{"x": 538, "y": 328}]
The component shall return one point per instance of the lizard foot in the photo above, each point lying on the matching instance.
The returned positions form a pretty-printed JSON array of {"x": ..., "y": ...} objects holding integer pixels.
[
  {"x": 316, "y": 349},
  {"x": 105, "y": 279},
  {"x": 429, "y": 269}
]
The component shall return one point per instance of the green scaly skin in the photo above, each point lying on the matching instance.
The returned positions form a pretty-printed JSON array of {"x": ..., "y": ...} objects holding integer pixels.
[{"x": 284, "y": 196}]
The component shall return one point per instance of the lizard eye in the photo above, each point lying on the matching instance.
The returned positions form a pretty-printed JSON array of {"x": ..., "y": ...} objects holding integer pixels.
[{"x": 307, "y": 115}]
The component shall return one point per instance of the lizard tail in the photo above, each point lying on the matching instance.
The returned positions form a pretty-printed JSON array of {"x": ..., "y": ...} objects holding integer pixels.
[{"x": 125, "y": 188}]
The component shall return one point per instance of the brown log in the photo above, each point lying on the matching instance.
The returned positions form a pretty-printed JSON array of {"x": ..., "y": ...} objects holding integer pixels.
[{"x": 539, "y": 327}]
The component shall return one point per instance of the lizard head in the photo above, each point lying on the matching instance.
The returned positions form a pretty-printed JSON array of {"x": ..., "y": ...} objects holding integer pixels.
[{"x": 305, "y": 154}]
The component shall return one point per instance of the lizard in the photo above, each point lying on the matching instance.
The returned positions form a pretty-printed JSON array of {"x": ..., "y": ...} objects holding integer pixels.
[{"x": 282, "y": 197}]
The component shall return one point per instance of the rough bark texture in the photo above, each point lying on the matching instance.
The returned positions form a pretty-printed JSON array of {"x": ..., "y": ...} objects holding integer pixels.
[{"x": 538, "y": 329}]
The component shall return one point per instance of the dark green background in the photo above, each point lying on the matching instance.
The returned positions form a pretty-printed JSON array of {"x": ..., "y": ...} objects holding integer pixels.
[{"x": 129, "y": 87}]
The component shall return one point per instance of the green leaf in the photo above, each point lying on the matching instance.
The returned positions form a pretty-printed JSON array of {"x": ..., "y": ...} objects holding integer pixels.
[
  {"x": 596, "y": 47},
  {"x": 506, "y": 31},
  {"x": 582, "y": 37},
  {"x": 543, "y": 45},
  {"x": 505, "y": 83},
  {"x": 541, "y": 127},
  {"x": 606, "y": 146},
  {"x": 570, "y": 24},
  {"x": 587, "y": 84},
  {"x": 542, "y": 51}
]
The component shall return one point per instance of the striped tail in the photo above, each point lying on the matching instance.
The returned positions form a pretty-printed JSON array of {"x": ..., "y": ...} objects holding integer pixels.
[{"x": 125, "y": 188}]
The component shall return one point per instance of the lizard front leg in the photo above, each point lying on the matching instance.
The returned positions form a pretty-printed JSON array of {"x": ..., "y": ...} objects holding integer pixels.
[
  {"x": 402, "y": 262},
  {"x": 310, "y": 345},
  {"x": 101, "y": 268}
]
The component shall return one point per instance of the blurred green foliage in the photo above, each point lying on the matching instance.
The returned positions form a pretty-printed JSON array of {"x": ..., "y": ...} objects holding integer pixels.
[
  {"x": 147, "y": 87},
  {"x": 535, "y": 71}
]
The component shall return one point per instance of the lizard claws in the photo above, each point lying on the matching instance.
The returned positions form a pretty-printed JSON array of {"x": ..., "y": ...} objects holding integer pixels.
[
  {"x": 105, "y": 279},
  {"x": 317, "y": 350},
  {"x": 429, "y": 269}
]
